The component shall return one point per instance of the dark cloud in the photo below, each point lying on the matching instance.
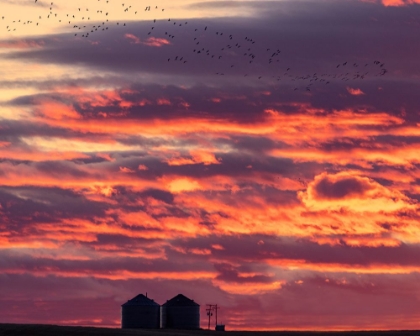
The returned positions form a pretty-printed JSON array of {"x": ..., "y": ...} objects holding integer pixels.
[
  {"x": 123, "y": 194},
  {"x": 14, "y": 130},
  {"x": 254, "y": 248},
  {"x": 60, "y": 169},
  {"x": 102, "y": 267},
  {"x": 341, "y": 188},
  {"x": 30, "y": 206},
  {"x": 231, "y": 274}
]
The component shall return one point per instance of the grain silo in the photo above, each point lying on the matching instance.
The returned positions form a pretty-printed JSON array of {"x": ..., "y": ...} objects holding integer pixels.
[
  {"x": 181, "y": 312},
  {"x": 140, "y": 312}
]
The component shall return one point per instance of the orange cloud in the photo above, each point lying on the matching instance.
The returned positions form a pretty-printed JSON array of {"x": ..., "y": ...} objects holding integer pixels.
[
  {"x": 56, "y": 111},
  {"x": 399, "y": 2},
  {"x": 339, "y": 268},
  {"x": 183, "y": 184},
  {"x": 248, "y": 288}
]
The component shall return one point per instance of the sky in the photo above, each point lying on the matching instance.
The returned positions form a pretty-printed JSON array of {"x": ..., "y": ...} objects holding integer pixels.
[{"x": 259, "y": 155}]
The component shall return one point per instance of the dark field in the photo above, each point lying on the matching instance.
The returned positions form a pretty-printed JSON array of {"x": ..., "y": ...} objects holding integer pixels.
[{"x": 52, "y": 330}]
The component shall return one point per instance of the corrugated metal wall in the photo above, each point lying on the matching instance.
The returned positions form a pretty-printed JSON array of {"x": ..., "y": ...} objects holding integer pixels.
[
  {"x": 147, "y": 317},
  {"x": 181, "y": 317}
]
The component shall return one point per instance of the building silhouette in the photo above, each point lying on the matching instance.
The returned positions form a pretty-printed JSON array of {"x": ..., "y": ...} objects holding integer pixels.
[
  {"x": 140, "y": 312},
  {"x": 180, "y": 312}
]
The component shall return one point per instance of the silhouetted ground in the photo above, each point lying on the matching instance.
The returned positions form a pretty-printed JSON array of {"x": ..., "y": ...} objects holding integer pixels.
[{"x": 52, "y": 330}]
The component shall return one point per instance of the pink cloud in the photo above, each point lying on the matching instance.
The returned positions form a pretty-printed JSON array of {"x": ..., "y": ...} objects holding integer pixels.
[
  {"x": 355, "y": 92},
  {"x": 151, "y": 41},
  {"x": 126, "y": 170},
  {"x": 21, "y": 44}
]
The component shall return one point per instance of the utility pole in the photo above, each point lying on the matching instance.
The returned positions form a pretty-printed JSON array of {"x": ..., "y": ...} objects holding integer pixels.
[{"x": 210, "y": 308}]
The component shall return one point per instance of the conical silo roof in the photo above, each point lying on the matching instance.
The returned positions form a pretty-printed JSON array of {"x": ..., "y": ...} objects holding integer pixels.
[
  {"x": 140, "y": 300},
  {"x": 180, "y": 300}
]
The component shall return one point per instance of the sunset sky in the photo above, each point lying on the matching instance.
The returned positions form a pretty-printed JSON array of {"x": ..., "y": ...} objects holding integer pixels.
[{"x": 261, "y": 155}]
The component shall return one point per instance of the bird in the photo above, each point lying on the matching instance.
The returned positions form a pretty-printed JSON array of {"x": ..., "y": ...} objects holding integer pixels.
[{"x": 235, "y": 43}]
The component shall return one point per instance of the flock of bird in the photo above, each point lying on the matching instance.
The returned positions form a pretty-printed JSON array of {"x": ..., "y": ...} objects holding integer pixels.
[{"x": 238, "y": 53}]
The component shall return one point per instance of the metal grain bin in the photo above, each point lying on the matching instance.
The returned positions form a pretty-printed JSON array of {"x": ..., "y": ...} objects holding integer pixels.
[
  {"x": 140, "y": 312},
  {"x": 181, "y": 313}
]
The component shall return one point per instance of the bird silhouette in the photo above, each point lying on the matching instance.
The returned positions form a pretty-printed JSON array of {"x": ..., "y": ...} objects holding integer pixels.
[{"x": 248, "y": 62}]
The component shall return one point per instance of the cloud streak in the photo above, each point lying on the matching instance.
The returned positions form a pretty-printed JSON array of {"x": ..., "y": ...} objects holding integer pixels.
[{"x": 267, "y": 181}]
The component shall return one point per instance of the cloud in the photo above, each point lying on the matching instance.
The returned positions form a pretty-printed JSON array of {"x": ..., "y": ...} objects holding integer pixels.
[
  {"x": 334, "y": 187},
  {"x": 355, "y": 92},
  {"x": 197, "y": 156},
  {"x": 133, "y": 171},
  {"x": 354, "y": 192},
  {"x": 398, "y": 3},
  {"x": 151, "y": 41},
  {"x": 21, "y": 44},
  {"x": 126, "y": 170}
]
